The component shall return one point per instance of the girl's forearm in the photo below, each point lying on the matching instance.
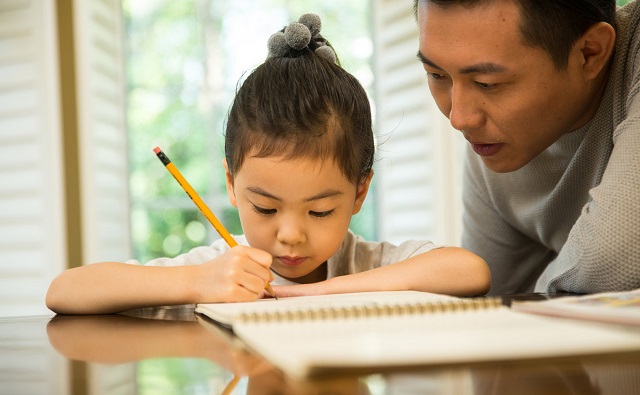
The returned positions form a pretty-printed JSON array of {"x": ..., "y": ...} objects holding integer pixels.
[
  {"x": 449, "y": 270},
  {"x": 109, "y": 287}
]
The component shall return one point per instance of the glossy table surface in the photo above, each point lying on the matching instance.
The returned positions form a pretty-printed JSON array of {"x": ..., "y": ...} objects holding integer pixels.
[{"x": 168, "y": 351}]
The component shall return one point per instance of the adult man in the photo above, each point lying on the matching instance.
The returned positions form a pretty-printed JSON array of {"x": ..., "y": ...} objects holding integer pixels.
[{"x": 548, "y": 95}]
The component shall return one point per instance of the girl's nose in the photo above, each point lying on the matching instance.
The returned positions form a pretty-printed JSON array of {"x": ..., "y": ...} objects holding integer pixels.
[{"x": 291, "y": 232}]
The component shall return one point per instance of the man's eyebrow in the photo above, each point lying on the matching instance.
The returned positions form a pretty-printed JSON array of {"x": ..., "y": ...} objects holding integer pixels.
[
  {"x": 322, "y": 195},
  {"x": 482, "y": 68},
  {"x": 426, "y": 61}
]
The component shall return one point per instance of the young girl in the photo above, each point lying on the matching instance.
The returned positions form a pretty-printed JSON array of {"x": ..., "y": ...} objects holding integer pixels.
[{"x": 299, "y": 151}]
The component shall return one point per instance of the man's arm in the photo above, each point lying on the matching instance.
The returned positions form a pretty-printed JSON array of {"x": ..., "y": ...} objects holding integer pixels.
[{"x": 602, "y": 252}]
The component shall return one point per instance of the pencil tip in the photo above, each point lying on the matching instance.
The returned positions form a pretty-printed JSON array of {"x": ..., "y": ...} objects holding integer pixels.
[{"x": 270, "y": 290}]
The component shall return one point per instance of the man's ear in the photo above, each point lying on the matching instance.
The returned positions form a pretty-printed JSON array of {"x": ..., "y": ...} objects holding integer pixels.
[
  {"x": 361, "y": 193},
  {"x": 229, "y": 182},
  {"x": 595, "y": 48}
]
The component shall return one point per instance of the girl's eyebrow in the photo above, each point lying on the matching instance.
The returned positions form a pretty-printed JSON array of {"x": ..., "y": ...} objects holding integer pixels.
[
  {"x": 322, "y": 195},
  {"x": 262, "y": 192}
]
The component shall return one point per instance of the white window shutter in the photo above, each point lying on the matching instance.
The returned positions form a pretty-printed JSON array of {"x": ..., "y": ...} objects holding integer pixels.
[
  {"x": 34, "y": 188},
  {"x": 102, "y": 135},
  {"x": 420, "y": 157},
  {"x": 32, "y": 199},
  {"x": 32, "y": 208}
]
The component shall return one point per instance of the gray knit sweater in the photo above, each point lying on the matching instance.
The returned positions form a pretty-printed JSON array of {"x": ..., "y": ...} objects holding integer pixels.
[{"x": 570, "y": 219}]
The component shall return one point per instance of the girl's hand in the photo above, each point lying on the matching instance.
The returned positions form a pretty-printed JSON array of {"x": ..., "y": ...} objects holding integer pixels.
[{"x": 238, "y": 275}]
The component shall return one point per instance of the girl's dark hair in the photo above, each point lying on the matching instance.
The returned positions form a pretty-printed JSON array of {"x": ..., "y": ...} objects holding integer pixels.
[
  {"x": 553, "y": 25},
  {"x": 301, "y": 105}
]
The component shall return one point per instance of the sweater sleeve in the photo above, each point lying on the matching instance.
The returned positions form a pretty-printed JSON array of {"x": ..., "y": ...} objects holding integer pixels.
[{"x": 602, "y": 252}]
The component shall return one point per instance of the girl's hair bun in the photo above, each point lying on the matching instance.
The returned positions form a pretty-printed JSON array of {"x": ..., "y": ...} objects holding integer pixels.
[{"x": 300, "y": 35}]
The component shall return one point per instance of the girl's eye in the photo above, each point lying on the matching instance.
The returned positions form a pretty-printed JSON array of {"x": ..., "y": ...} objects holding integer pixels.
[
  {"x": 320, "y": 214},
  {"x": 264, "y": 211}
]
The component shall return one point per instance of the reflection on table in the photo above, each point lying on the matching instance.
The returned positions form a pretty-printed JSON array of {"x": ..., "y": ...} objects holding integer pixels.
[{"x": 173, "y": 350}]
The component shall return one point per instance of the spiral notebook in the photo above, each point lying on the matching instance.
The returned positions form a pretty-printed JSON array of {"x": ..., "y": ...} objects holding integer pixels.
[{"x": 317, "y": 335}]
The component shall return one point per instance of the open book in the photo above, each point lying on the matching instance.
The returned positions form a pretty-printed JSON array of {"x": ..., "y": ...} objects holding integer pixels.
[
  {"x": 315, "y": 335},
  {"x": 614, "y": 307}
]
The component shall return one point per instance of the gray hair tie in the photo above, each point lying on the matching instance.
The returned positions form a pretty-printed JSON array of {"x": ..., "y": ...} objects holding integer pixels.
[{"x": 297, "y": 36}]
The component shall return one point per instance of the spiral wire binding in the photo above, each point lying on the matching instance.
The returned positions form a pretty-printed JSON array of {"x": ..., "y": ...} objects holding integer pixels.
[{"x": 354, "y": 312}]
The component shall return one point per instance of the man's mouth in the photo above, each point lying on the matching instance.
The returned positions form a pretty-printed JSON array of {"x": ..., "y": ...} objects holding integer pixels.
[{"x": 486, "y": 149}]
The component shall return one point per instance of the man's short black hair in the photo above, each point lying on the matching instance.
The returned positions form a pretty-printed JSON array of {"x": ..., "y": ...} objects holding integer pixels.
[{"x": 553, "y": 25}]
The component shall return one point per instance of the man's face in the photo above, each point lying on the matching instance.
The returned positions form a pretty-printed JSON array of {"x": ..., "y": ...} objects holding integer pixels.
[{"x": 508, "y": 99}]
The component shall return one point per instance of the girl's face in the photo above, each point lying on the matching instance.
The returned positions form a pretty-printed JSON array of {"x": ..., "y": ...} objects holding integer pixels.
[{"x": 298, "y": 210}]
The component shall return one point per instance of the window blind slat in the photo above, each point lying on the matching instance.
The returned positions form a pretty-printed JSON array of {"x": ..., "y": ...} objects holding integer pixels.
[{"x": 418, "y": 200}]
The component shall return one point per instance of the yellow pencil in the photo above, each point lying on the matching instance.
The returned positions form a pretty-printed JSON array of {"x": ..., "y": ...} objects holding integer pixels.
[
  {"x": 201, "y": 205},
  {"x": 231, "y": 386}
]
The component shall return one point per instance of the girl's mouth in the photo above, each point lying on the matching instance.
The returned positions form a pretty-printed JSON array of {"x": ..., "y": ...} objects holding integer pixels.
[{"x": 292, "y": 261}]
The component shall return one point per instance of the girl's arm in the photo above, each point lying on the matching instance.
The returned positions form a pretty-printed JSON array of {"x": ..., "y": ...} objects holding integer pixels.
[
  {"x": 448, "y": 270},
  {"x": 239, "y": 274}
]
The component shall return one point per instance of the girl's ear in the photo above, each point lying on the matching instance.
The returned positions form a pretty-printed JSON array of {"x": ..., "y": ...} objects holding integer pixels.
[
  {"x": 361, "y": 193},
  {"x": 229, "y": 182}
]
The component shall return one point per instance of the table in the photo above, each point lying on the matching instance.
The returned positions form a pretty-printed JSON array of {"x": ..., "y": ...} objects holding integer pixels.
[{"x": 166, "y": 350}]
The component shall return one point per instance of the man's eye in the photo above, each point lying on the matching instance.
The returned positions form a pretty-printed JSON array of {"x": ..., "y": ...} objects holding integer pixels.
[
  {"x": 485, "y": 86},
  {"x": 264, "y": 211},
  {"x": 320, "y": 214},
  {"x": 435, "y": 76}
]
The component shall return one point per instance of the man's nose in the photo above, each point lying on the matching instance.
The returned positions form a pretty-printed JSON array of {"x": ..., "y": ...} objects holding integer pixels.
[{"x": 466, "y": 112}]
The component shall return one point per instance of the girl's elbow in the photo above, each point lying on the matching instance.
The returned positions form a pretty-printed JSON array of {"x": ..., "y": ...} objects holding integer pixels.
[
  {"x": 56, "y": 300},
  {"x": 51, "y": 300},
  {"x": 481, "y": 284},
  {"x": 476, "y": 279}
]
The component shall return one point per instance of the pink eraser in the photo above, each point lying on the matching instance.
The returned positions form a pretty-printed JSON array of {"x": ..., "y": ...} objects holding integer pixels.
[{"x": 156, "y": 150}]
